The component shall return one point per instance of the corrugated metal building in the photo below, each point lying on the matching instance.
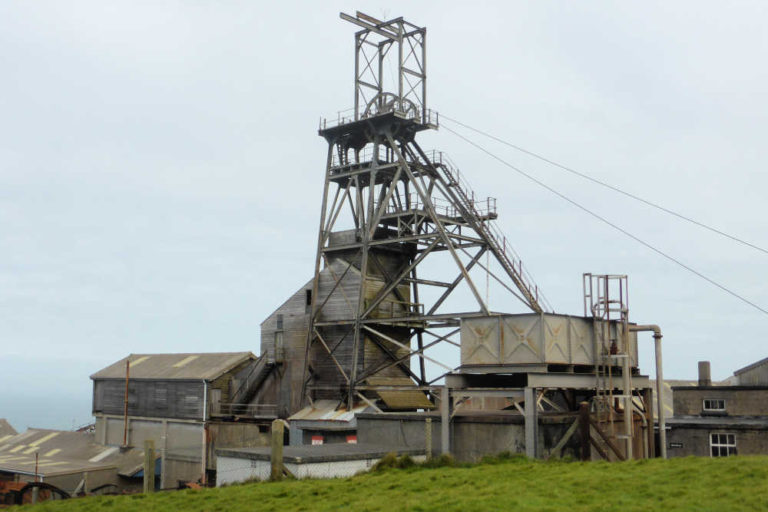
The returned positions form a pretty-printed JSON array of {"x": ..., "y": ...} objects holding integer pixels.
[
  {"x": 72, "y": 461},
  {"x": 184, "y": 403}
]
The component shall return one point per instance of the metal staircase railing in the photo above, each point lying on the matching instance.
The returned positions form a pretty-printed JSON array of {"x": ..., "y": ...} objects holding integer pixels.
[
  {"x": 497, "y": 241},
  {"x": 247, "y": 388}
]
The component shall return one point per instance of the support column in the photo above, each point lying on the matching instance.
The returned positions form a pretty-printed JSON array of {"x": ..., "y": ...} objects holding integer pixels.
[
  {"x": 276, "y": 455},
  {"x": 531, "y": 423},
  {"x": 445, "y": 421},
  {"x": 149, "y": 466}
]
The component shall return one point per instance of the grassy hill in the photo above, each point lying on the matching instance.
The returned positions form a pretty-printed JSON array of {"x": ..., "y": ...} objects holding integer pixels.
[{"x": 695, "y": 484}]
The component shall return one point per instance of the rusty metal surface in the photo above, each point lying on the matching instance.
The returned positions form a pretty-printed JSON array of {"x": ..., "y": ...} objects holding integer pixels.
[
  {"x": 401, "y": 400},
  {"x": 327, "y": 410}
]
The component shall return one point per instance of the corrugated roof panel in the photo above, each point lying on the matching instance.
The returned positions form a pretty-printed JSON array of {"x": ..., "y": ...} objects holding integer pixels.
[
  {"x": 400, "y": 400},
  {"x": 175, "y": 366}
]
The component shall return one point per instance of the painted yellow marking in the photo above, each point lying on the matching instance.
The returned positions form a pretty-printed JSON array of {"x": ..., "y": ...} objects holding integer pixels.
[
  {"x": 44, "y": 439},
  {"x": 29, "y": 450},
  {"x": 18, "y": 448},
  {"x": 52, "y": 452},
  {"x": 10, "y": 458},
  {"x": 49, "y": 464},
  {"x": 185, "y": 361},
  {"x": 139, "y": 361},
  {"x": 5, "y": 437}
]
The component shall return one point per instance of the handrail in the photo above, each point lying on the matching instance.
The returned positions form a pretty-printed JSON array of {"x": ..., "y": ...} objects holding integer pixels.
[
  {"x": 427, "y": 117},
  {"x": 236, "y": 409},
  {"x": 508, "y": 256}
]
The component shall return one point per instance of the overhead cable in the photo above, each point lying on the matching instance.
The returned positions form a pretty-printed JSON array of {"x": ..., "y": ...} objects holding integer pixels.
[
  {"x": 606, "y": 221},
  {"x": 606, "y": 185}
]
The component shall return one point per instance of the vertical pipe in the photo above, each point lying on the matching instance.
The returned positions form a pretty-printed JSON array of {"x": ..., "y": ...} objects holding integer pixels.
[
  {"x": 627, "y": 407},
  {"x": 445, "y": 421},
  {"x": 204, "y": 456},
  {"x": 125, "y": 402},
  {"x": 659, "y": 384},
  {"x": 163, "y": 450},
  {"x": 659, "y": 401},
  {"x": 531, "y": 423},
  {"x": 428, "y": 437}
]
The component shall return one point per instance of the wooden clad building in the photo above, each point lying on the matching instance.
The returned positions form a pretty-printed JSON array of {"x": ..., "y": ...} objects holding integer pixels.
[
  {"x": 284, "y": 332},
  {"x": 188, "y": 404}
]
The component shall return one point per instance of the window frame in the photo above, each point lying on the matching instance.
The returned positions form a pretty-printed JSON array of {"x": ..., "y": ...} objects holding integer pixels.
[
  {"x": 721, "y": 441},
  {"x": 704, "y": 407}
]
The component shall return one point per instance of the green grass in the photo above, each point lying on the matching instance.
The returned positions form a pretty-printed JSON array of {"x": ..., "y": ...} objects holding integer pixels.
[{"x": 695, "y": 484}]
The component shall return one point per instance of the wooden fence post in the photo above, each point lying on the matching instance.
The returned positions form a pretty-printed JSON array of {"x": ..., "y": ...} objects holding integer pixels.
[
  {"x": 276, "y": 458},
  {"x": 584, "y": 431},
  {"x": 149, "y": 466}
]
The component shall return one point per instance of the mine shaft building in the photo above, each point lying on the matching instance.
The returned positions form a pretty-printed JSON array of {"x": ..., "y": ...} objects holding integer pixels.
[{"x": 403, "y": 247}]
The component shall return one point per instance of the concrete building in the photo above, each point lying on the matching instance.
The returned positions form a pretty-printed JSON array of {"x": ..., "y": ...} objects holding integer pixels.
[
  {"x": 188, "y": 404},
  {"x": 721, "y": 420}
]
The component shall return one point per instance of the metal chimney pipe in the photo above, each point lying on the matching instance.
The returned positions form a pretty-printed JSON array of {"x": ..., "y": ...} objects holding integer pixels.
[{"x": 705, "y": 374}]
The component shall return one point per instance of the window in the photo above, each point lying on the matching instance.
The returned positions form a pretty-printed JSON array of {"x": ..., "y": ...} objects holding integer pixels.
[
  {"x": 722, "y": 445},
  {"x": 714, "y": 404},
  {"x": 307, "y": 297},
  {"x": 279, "y": 322}
]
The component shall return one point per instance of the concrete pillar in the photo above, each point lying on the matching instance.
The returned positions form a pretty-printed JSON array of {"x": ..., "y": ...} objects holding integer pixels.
[
  {"x": 531, "y": 423},
  {"x": 428, "y": 437},
  {"x": 445, "y": 421}
]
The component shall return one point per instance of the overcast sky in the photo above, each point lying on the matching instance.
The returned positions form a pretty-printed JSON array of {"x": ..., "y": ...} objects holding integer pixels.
[{"x": 161, "y": 173}]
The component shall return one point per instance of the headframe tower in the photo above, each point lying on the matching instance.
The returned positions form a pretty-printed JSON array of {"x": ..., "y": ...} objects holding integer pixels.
[{"x": 389, "y": 209}]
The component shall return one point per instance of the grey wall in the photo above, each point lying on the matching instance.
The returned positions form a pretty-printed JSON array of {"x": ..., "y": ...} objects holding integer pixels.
[
  {"x": 471, "y": 437},
  {"x": 739, "y": 401},
  {"x": 150, "y": 398},
  {"x": 695, "y": 440}
]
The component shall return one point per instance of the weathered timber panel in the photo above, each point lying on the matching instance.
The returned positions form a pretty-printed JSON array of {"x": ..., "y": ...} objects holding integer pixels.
[{"x": 159, "y": 399}]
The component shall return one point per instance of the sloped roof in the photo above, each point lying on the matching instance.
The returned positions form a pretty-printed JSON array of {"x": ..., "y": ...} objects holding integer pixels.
[
  {"x": 328, "y": 410},
  {"x": 200, "y": 366},
  {"x": 6, "y": 429},
  {"x": 60, "y": 452},
  {"x": 752, "y": 366}
]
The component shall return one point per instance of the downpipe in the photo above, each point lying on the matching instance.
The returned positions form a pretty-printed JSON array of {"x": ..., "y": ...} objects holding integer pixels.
[{"x": 659, "y": 382}]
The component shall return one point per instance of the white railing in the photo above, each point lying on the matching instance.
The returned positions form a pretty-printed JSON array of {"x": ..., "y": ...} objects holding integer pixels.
[{"x": 342, "y": 117}]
